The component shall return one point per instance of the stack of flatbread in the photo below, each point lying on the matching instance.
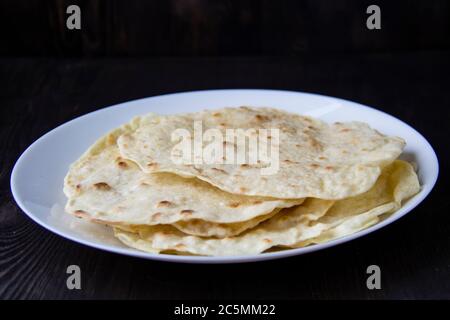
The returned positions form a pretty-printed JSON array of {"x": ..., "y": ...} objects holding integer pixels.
[{"x": 331, "y": 180}]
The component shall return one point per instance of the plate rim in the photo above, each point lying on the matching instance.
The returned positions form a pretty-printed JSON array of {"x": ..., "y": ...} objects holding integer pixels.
[{"x": 412, "y": 203}]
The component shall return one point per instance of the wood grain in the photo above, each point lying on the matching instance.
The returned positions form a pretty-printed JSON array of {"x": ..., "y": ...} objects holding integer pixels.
[
  {"x": 39, "y": 94},
  {"x": 131, "y": 28}
]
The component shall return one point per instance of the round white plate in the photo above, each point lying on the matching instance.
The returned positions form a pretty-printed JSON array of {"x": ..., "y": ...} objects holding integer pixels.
[{"x": 37, "y": 177}]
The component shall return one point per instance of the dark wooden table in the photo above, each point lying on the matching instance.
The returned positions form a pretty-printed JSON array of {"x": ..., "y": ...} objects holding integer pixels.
[{"x": 413, "y": 253}]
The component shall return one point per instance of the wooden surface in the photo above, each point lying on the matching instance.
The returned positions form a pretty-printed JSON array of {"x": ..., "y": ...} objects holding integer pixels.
[
  {"x": 227, "y": 28},
  {"x": 413, "y": 253}
]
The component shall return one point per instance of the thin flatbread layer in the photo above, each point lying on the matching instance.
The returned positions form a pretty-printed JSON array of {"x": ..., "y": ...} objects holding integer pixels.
[
  {"x": 281, "y": 229},
  {"x": 104, "y": 187},
  {"x": 397, "y": 182},
  {"x": 316, "y": 159},
  {"x": 203, "y": 228},
  {"x": 297, "y": 226}
]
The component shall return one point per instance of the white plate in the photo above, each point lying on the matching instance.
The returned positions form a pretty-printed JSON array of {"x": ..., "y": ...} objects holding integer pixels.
[{"x": 37, "y": 177}]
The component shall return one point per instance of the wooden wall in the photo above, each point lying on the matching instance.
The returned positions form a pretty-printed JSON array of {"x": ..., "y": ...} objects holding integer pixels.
[{"x": 220, "y": 28}]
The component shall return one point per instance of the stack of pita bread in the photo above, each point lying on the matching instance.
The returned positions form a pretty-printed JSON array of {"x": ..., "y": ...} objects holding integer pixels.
[{"x": 332, "y": 180}]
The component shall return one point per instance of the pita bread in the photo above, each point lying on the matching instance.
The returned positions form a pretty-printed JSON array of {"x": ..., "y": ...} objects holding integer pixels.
[
  {"x": 104, "y": 187},
  {"x": 316, "y": 159},
  {"x": 314, "y": 221}
]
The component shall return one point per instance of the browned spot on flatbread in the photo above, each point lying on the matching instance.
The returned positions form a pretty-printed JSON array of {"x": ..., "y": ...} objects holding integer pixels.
[
  {"x": 164, "y": 203},
  {"x": 157, "y": 215},
  {"x": 314, "y": 165},
  {"x": 314, "y": 143},
  {"x": 243, "y": 190},
  {"x": 152, "y": 165},
  {"x": 102, "y": 186},
  {"x": 257, "y": 202},
  {"x": 187, "y": 212},
  {"x": 345, "y": 130},
  {"x": 80, "y": 214},
  {"x": 122, "y": 164},
  {"x": 234, "y": 204},
  {"x": 267, "y": 240},
  {"x": 288, "y": 129},
  {"x": 262, "y": 118},
  {"x": 219, "y": 170}
]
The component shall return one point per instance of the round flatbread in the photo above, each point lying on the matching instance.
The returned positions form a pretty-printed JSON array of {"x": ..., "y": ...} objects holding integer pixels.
[
  {"x": 314, "y": 221},
  {"x": 104, "y": 187},
  {"x": 294, "y": 156}
]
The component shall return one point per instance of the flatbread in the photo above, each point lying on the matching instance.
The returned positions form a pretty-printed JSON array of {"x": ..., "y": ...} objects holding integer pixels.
[
  {"x": 316, "y": 159},
  {"x": 203, "y": 228},
  {"x": 104, "y": 187},
  {"x": 281, "y": 229},
  {"x": 314, "y": 221},
  {"x": 220, "y": 230},
  {"x": 397, "y": 182}
]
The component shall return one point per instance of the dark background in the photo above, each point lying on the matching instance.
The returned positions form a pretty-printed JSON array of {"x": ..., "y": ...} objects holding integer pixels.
[
  {"x": 133, "y": 49},
  {"x": 137, "y": 28}
]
